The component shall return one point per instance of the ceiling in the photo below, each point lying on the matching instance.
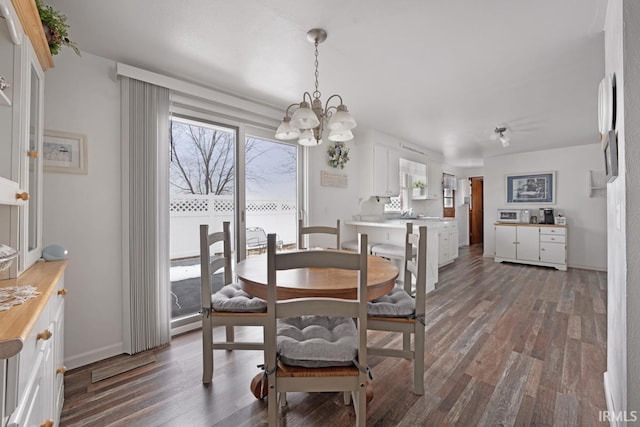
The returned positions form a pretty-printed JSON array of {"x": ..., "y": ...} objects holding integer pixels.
[{"x": 436, "y": 73}]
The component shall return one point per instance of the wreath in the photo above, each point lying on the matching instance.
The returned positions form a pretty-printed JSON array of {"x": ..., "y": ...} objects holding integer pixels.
[{"x": 338, "y": 155}]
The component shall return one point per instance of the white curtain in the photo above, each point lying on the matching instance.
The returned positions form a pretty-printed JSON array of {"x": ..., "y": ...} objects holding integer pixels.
[{"x": 145, "y": 199}]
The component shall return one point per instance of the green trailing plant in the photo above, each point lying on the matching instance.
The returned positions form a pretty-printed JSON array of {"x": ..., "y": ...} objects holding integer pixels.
[
  {"x": 418, "y": 184},
  {"x": 338, "y": 155},
  {"x": 55, "y": 27}
]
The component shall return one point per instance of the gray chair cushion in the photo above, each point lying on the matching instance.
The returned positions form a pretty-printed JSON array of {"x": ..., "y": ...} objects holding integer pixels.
[
  {"x": 352, "y": 245},
  {"x": 231, "y": 298},
  {"x": 317, "y": 341},
  {"x": 396, "y": 303}
]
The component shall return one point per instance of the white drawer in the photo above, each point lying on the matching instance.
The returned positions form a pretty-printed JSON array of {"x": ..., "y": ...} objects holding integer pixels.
[
  {"x": 553, "y": 230},
  {"x": 552, "y": 238}
]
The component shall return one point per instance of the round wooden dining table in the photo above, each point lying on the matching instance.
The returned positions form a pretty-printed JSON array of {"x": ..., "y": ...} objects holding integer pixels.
[{"x": 316, "y": 282}]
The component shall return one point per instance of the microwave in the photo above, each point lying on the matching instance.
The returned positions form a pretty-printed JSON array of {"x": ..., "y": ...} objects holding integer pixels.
[{"x": 509, "y": 215}]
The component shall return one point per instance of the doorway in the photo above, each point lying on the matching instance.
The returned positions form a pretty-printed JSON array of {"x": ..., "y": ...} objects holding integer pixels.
[{"x": 476, "y": 211}]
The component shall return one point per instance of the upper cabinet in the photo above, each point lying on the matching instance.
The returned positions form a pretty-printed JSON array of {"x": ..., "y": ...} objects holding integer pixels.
[
  {"x": 379, "y": 170},
  {"x": 434, "y": 186},
  {"x": 21, "y": 130}
]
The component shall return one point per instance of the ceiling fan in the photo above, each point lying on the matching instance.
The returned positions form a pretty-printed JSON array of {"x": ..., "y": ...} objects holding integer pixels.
[{"x": 498, "y": 135}]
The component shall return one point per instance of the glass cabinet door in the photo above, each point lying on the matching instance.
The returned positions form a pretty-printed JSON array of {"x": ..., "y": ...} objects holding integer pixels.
[{"x": 31, "y": 233}]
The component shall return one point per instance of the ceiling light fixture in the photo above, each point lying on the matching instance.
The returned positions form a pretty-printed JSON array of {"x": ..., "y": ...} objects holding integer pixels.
[
  {"x": 499, "y": 135},
  {"x": 308, "y": 120}
]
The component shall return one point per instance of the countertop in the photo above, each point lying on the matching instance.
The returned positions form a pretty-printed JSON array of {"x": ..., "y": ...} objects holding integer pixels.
[
  {"x": 401, "y": 222},
  {"x": 18, "y": 321}
]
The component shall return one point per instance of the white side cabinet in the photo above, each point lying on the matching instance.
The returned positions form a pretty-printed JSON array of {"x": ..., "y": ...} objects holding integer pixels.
[
  {"x": 544, "y": 245},
  {"x": 380, "y": 170},
  {"x": 32, "y": 350},
  {"x": 434, "y": 181}
]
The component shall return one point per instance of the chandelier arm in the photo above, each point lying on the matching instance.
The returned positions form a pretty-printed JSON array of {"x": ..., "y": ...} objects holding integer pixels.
[
  {"x": 327, "y": 108},
  {"x": 289, "y": 107}
]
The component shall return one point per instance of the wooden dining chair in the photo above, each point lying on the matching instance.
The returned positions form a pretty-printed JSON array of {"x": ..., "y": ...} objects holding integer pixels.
[
  {"x": 317, "y": 229},
  {"x": 403, "y": 309},
  {"x": 313, "y": 344},
  {"x": 228, "y": 307}
]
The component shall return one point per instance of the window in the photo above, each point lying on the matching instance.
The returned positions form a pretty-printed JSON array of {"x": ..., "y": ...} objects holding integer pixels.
[{"x": 448, "y": 195}]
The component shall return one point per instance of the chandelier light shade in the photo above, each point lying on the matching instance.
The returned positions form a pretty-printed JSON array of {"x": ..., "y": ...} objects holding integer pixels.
[{"x": 309, "y": 118}]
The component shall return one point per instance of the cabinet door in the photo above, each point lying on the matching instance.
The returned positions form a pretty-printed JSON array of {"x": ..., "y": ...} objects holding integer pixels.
[
  {"x": 443, "y": 246},
  {"x": 31, "y": 155},
  {"x": 380, "y": 172},
  {"x": 393, "y": 172},
  {"x": 453, "y": 244},
  {"x": 553, "y": 252},
  {"x": 506, "y": 241},
  {"x": 434, "y": 184},
  {"x": 528, "y": 243}
]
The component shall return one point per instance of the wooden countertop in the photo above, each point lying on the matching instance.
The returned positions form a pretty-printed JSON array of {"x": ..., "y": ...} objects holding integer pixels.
[{"x": 17, "y": 322}]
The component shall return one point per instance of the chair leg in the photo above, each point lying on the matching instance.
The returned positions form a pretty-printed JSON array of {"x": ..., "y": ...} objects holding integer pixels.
[
  {"x": 207, "y": 351},
  {"x": 346, "y": 396},
  {"x": 360, "y": 406},
  {"x": 406, "y": 341},
  {"x": 418, "y": 362},
  {"x": 273, "y": 406},
  {"x": 231, "y": 337}
]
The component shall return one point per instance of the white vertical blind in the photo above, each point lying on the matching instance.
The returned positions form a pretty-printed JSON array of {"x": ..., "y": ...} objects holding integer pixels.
[{"x": 145, "y": 116}]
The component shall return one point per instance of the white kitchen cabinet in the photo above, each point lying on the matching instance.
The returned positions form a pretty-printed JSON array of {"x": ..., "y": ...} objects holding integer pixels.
[
  {"x": 32, "y": 349},
  {"x": 532, "y": 244},
  {"x": 434, "y": 181},
  {"x": 447, "y": 244},
  {"x": 21, "y": 130},
  {"x": 380, "y": 170}
]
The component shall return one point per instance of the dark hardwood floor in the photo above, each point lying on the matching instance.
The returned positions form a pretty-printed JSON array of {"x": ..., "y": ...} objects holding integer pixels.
[{"x": 507, "y": 344}]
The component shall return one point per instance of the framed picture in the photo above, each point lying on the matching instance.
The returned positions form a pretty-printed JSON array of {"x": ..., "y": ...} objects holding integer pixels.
[
  {"x": 531, "y": 188},
  {"x": 610, "y": 149},
  {"x": 64, "y": 152}
]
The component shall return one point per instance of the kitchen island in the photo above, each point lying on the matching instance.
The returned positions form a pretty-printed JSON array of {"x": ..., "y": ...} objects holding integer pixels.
[{"x": 442, "y": 238}]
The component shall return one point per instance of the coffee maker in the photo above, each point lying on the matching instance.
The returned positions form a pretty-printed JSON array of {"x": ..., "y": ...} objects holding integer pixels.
[{"x": 545, "y": 216}]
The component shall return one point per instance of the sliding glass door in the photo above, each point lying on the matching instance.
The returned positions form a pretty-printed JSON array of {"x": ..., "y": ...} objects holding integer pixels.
[
  {"x": 215, "y": 178},
  {"x": 202, "y": 191}
]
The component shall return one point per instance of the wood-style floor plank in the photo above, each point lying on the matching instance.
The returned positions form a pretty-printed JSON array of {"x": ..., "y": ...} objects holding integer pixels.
[{"x": 506, "y": 344}]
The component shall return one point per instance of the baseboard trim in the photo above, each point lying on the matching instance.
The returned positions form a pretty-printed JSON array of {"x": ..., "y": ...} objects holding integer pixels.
[
  {"x": 76, "y": 361},
  {"x": 609, "y": 398}
]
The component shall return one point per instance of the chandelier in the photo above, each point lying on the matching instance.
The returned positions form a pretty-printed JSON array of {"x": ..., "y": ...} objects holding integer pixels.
[{"x": 309, "y": 117}]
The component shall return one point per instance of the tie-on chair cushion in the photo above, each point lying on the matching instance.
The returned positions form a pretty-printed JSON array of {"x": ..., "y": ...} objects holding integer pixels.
[
  {"x": 396, "y": 303},
  {"x": 317, "y": 341},
  {"x": 232, "y": 298}
]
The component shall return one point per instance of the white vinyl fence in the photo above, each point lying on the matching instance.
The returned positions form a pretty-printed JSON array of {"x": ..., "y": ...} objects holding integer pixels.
[{"x": 188, "y": 211}]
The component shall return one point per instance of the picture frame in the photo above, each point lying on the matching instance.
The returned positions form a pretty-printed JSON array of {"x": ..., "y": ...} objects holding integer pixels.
[
  {"x": 533, "y": 188},
  {"x": 64, "y": 152},
  {"x": 610, "y": 150}
]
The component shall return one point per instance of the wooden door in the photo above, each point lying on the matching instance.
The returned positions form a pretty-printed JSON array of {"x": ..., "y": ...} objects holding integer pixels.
[{"x": 476, "y": 216}]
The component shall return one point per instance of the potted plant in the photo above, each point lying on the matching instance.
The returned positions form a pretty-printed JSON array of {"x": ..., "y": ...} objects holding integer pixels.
[
  {"x": 55, "y": 27},
  {"x": 418, "y": 188}
]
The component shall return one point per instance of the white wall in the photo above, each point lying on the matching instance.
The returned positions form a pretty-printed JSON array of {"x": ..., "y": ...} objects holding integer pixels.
[
  {"x": 83, "y": 212},
  {"x": 586, "y": 216},
  {"x": 622, "y": 57}
]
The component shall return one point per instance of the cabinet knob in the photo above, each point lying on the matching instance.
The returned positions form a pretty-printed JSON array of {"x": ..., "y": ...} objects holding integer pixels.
[
  {"x": 33, "y": 154},
  {"x": 63, "y": 291},
  {"x": 61, "y": 370},
  {"x": 44, "y": 335},
  {"x": 48, "y": 423},
  {"x": 22, "y": 196}
]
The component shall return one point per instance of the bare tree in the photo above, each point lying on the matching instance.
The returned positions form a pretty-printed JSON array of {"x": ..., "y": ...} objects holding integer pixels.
[{"x": 203, "y": 160}]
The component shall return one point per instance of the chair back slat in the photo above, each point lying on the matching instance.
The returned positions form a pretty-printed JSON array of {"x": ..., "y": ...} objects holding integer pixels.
[
  {"x": 319, "y": 307},
  {"x": 317, "y": 229},
  {"x": 318, "y": 258},
  {"x": 416, "y": 267}
]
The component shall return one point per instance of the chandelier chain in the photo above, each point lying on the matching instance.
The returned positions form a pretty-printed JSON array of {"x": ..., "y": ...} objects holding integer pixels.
[{"x": 316, "y": 93}]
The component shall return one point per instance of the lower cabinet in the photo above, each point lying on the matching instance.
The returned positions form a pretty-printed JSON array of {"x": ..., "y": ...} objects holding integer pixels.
[
  {"x": 447, "y": 244},
  {"x": 532, "y": 244},
  {"x": 34, "y": 376}
]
